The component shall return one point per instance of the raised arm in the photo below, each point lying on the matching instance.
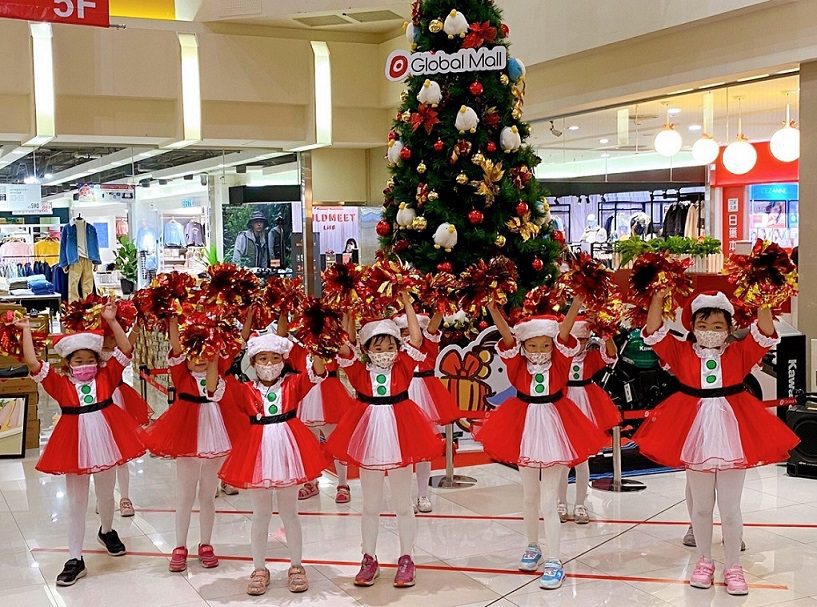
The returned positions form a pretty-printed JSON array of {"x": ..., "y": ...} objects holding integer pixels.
[
  {"x": 348, "y": 324},
  {"x": 212, "y": 375},
  {"x": 765, "y": 321},
  {"x": 283, "y": 325},
  {"x": 122, "y": 342},
  {"x": 570, "y": 319},
  {"x": 173, "y": 335},
  {"x": 610, "y": 347},
  {"x": 318, "y": 366},
  {"x": 415, "y": 332},
  {"x": 29, "y": 355},
  {"x": 435, "y": 322},
  {"x": 502, "y": 325},
  {"x": 246, "y": 329},
  {"x": 655, "y": 314}
]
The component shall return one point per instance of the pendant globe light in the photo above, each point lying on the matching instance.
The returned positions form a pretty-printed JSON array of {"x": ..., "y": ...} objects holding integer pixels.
[
  {"x": 740, "y": 156},
  {"x": 785, "y": 143},
  {"x": 706, "y": 149},
  {"x": 668, "y": 141}
]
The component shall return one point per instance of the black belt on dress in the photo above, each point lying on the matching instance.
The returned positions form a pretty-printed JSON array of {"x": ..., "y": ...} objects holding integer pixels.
[
  {"x": 273, "y": 419},
  {"x": 579, "y": 383},
  {"x": 382, "y": 400},
  {"x": 545, "y": 399},
  {"x": 194, "y": 398},
  {"x": 87, "y": 408},
  {"x": 428, "y": 373},
  {"x": 712, "y": 392},
  {"x": 331, "y": 374}
]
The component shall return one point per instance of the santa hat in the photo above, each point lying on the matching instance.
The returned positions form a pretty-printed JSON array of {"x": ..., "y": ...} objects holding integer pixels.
[
  {"x": 581, "y": 328},
  {"x": 705, "y": 299},
  {"x": 268, "y": 342},
  {"x": 402, "y": 321},
  {"x": 378, "y": 327},
  {"x": 66, "y": 345},
  {"x": 537, "y": 326}
]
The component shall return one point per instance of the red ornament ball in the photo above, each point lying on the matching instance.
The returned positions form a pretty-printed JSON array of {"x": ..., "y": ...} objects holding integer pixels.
[
  {"x": 401, "y": 245},
  {"x": 559, "y": 237},
  {"x": 405, "y": 153},
  {"x": 439, "y": 146},
  {"x": 522, "y": 208},
  {"x": 505, "y": 30},
  {"x": 393, "y": 135},
  {"x": 537, "y": 264},
  {"x": 490, "y": 147},
  {"x": 383, "y": 228},
  {"x": 445, "y": 266},
  {"x": 475, "y": 88},
  {"x": 475, "y": 217},
  {"x": 482, "y": 325}
]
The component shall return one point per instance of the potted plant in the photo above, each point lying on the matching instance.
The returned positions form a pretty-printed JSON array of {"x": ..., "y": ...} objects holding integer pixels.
[{"x": 125, "y": 262}]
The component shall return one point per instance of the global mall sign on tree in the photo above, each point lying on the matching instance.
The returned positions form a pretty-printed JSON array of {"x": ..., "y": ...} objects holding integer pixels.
[{"x": 462, "y": 186}]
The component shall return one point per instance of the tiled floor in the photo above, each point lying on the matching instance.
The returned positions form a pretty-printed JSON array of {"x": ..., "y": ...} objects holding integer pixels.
[{"x": 467, "y": 548}]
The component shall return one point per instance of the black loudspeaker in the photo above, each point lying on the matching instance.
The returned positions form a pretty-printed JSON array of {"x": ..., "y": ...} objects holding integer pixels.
[{"x": 803, "y": 459}]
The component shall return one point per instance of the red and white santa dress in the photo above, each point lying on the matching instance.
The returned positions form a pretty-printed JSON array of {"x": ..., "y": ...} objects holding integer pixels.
[
  {"x": 712, "y": 423},
  {"x": 539, "y": 427},
  {"x": 426, "y": 389},
  {"x": 197, "y": 424},
  {"x": 275, "y": 448},
  {"x": 328, "y": 400},
  {"x": 589, "y": 397},
  {"x": 384, "y": 428},
  {"x": 125, "y": 397},
  {"x": 91, "y": 435}
]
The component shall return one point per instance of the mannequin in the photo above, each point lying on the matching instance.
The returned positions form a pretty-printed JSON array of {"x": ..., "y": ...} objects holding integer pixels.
[
  {"x": 79, "y": 254},
  {"x": 593, "y": 232}
]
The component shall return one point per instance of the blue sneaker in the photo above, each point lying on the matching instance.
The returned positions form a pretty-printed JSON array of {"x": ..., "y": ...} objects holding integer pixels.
[
  {"x": 553, "y": 575},
  {"x": 531, "y": 559}
]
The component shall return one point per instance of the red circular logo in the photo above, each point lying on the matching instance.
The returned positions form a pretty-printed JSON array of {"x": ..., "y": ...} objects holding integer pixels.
[{"x": 397, "y": 65}]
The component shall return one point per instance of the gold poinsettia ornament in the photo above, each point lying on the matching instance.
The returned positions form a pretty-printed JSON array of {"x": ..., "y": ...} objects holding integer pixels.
[
  {"x": 523, "y": 226},
  {"x": 492, "y": 174}
]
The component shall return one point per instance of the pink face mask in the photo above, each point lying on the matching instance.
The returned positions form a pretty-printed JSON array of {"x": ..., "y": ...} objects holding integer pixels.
[{"x": 84, "y": 373}]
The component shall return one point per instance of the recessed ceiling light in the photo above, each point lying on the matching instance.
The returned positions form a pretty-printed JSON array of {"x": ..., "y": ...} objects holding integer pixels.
[
  {"x": 674, "y": 111},
  {"x": 573, "y": 127},
  {"x": 604, "y": 141},
  {"x": 695, "y": 127}
]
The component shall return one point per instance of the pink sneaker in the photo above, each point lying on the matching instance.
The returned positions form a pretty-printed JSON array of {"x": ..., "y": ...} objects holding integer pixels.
[
  {"x": 735, "y": 582},
  {"x": 369, "y": 570},
  {"x": 178, "y": 559},
  {"x": 704, "y": 574},
  {"x": 207, "y": 557},
  {"x": 405, "y": 572}
]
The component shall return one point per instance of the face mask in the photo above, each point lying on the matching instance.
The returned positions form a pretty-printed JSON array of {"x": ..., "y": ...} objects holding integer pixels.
[
  {"x": 269, "y": 372},
  {"x": 538, "y": 358},
  {"x": 384, "y": 360},
  {"x": 710, "y": 339},
  {"x": 84, "y": 372}
]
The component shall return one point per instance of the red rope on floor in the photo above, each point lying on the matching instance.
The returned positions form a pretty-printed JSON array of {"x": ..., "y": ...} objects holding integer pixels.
[{"x": 152, "y": 382}]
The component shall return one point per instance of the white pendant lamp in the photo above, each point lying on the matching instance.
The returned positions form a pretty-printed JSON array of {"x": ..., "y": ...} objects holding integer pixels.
[
  {"x": 668, "y": 141},
  {"x": 705, "y": 150},
  {"x": 785, "y": 143},
  {"x": 740, "y": 156}
]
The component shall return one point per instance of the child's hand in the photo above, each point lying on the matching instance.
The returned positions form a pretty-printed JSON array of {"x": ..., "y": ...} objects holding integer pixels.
[
  {"x": 23, "y": 323},
  {"x": 109, "y": 312}
]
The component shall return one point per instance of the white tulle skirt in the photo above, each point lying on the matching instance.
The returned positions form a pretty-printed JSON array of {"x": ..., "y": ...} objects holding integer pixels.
[
  {"x": 375, "y": 443},
  {"x": 97, "y": 447},
  {"x": 544, "y": 439},
  {"x": 418, "y": 392},
  {"x": 713, "y": 442},
  {"x": 212, "y": 435},
  {"x": 280, "y": 458},
  {"x": 579, "y": 396},
  {"x": 310, "y": 411}
]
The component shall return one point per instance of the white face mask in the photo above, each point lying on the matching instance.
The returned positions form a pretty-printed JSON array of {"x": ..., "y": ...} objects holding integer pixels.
[
  {"x": 538, "y": 358},
  {"x": 384, "y": 360},
  {"x": 710, "y": 339},
  {"x": 269, "y": 372}
]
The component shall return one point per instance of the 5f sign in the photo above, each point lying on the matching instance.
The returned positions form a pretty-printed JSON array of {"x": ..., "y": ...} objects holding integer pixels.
[
  {"x": 65, "y": 9},
  {"x": 76, "y": 12}
]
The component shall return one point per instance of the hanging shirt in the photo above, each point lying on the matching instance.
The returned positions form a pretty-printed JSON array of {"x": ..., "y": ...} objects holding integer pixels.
[
  {"x": 194, "y": 234},
  {"x": 47, "y": 250},
  {"x": 173, "y": 234}
]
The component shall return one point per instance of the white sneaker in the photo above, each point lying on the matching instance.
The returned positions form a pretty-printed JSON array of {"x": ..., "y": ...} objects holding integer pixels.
[
  {"x": 561, "y": 509},
  {"x": 423, "y": 504},
  {"x": 580, "y": 516}
]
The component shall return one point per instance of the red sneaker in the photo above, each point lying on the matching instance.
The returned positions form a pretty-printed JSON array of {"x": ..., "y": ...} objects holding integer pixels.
[
  {"x": 369, "y": 570},
  {"x": 178, "y": 559},
  {"x": 207, "y": 557},
  {"x": 406, "y": 571}
]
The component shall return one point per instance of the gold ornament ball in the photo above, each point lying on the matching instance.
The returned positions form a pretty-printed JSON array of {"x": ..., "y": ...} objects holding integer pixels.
[
  {"x": 517, "y": 114},
  {"x": 421, "y": 168},
  {"x": 435, "y": 26},
  {"x": 404, "y": 95},
  {"x": 477, "y": 159},
  {"x": 432, "y": 195},
  {"x": 390, "y": 183},
  {"x": 419, "y": 224},
  {"x": 500, "y": 241},
  {"x": 504, "y": 79},
  {"x": 406, "y": 116},
  {"x": 462, "y": 179}
]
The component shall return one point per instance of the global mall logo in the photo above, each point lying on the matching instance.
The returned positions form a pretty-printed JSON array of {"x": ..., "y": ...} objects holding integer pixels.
[{"x": 401, "y": 64}]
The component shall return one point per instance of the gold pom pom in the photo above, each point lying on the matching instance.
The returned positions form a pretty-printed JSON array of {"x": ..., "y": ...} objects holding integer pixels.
[
  {"x": 500, "y": 241},
  {"x": 436, "y": 26},
  {"x": 419, "y": 224},
  {"x": 503, "y": 78},
  {"x": 462, "y": 179},
  {"x": 421, "y": 168}
]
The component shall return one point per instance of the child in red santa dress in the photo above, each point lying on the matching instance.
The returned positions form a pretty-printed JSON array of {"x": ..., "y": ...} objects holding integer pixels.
[
  {"x": 429, "y": 393},
  {"x": 594, "y": 402},
  {"x": 540, "y": 430},
  {"x": 385, "y": 431},
  {"x": 712, "y": 426},
  {"x": 275, "y": 453},
  {"x": 91, "y": 437},
  {"x": 195, "y": 431}
]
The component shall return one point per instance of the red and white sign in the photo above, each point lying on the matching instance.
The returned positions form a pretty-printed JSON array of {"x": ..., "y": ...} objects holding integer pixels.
[
  {"x": 76, "y": 12},
  {"x": 339, "y": 228}
]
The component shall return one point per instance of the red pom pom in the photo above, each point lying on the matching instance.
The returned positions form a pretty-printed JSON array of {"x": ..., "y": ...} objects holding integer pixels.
[
  {"x": 342, "y": 286},
  {"x": 384, "y": 281},
  {"x": 522, "y": 208},
  {"x": 11, "y": 338},
  {"x": 383, "y": 228},
  {"x": 764, "y": 279},
  {"x": 163, "y": 299},
  {"x": 655, "y": 273},
  {"x": 86, "y": 314},
  {"x": 484, "y": 283},
  {"x": 588, "y": 279},
  {"x": 320, "y": 328},
  {"x": 230, "y": 286},
  {"x": 204, "y": 336},
  {"x": 439, "y": 146},
  {"x": 475, "y": 88},
  {"x": 279, "y": 296},
  {"x": 475, "y": 217},
  {"x": 445, "y": 266},
  {"x": 490, "y": 147},
  {"x": 439, "y": 293}
]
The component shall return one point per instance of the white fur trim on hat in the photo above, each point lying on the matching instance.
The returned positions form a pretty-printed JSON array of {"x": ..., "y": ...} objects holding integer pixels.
[
  {"x": 581, "y": 329},
  {"x": 402, "y": 321},
  {"x": 378, "y": 327},
  {"x": 68, "y": 344},
  {"x": 719, "y": 301},
  {"x": 536, "y": 327},
  {"x": 268, "y": 342}
]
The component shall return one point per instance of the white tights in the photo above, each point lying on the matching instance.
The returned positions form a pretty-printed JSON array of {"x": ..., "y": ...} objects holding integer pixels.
[
  {"x": 423, "y": 470},
  {"x": 123, "y": 480},
  {"x": 372, "y": 483},
  {"x": 725, "y": 486},
  {"x": 327, "y": 432},
  {"x": 196, "y": 473},
  {"x": 76, "y": 489},
  {"x": 541, "y": 486},
  {"x": 261, "y": 516},
  {"x": 582, "y": 481}
]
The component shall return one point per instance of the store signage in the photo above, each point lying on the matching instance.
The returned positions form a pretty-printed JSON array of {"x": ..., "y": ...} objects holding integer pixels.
[
  {"x": 338, "y": 226},
  {"x": 106, "y": 192},
  {"x": 75, "y": 12},
  {"x": 400, "y": 63},
  {"x": 775, "y": 191},
  {"x": 20, "y": 197}
]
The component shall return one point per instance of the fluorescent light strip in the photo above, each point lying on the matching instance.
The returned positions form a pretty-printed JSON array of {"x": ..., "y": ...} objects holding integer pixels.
[
  {"x": 323, "y": 93},
  {"x": 44, "y": 104},
  {"x": 105, "y": 163},
  {"x": 711, "y": 85},
  {"x": 191, "y": 92},
  {"x": 750, "y": 78}
]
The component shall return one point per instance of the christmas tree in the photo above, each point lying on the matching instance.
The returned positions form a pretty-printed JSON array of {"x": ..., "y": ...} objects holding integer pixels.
[{"x": 462, "y": 186}]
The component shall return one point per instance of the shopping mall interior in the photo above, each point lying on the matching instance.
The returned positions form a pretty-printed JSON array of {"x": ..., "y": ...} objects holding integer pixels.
[{"x": 286, "y": 138}]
